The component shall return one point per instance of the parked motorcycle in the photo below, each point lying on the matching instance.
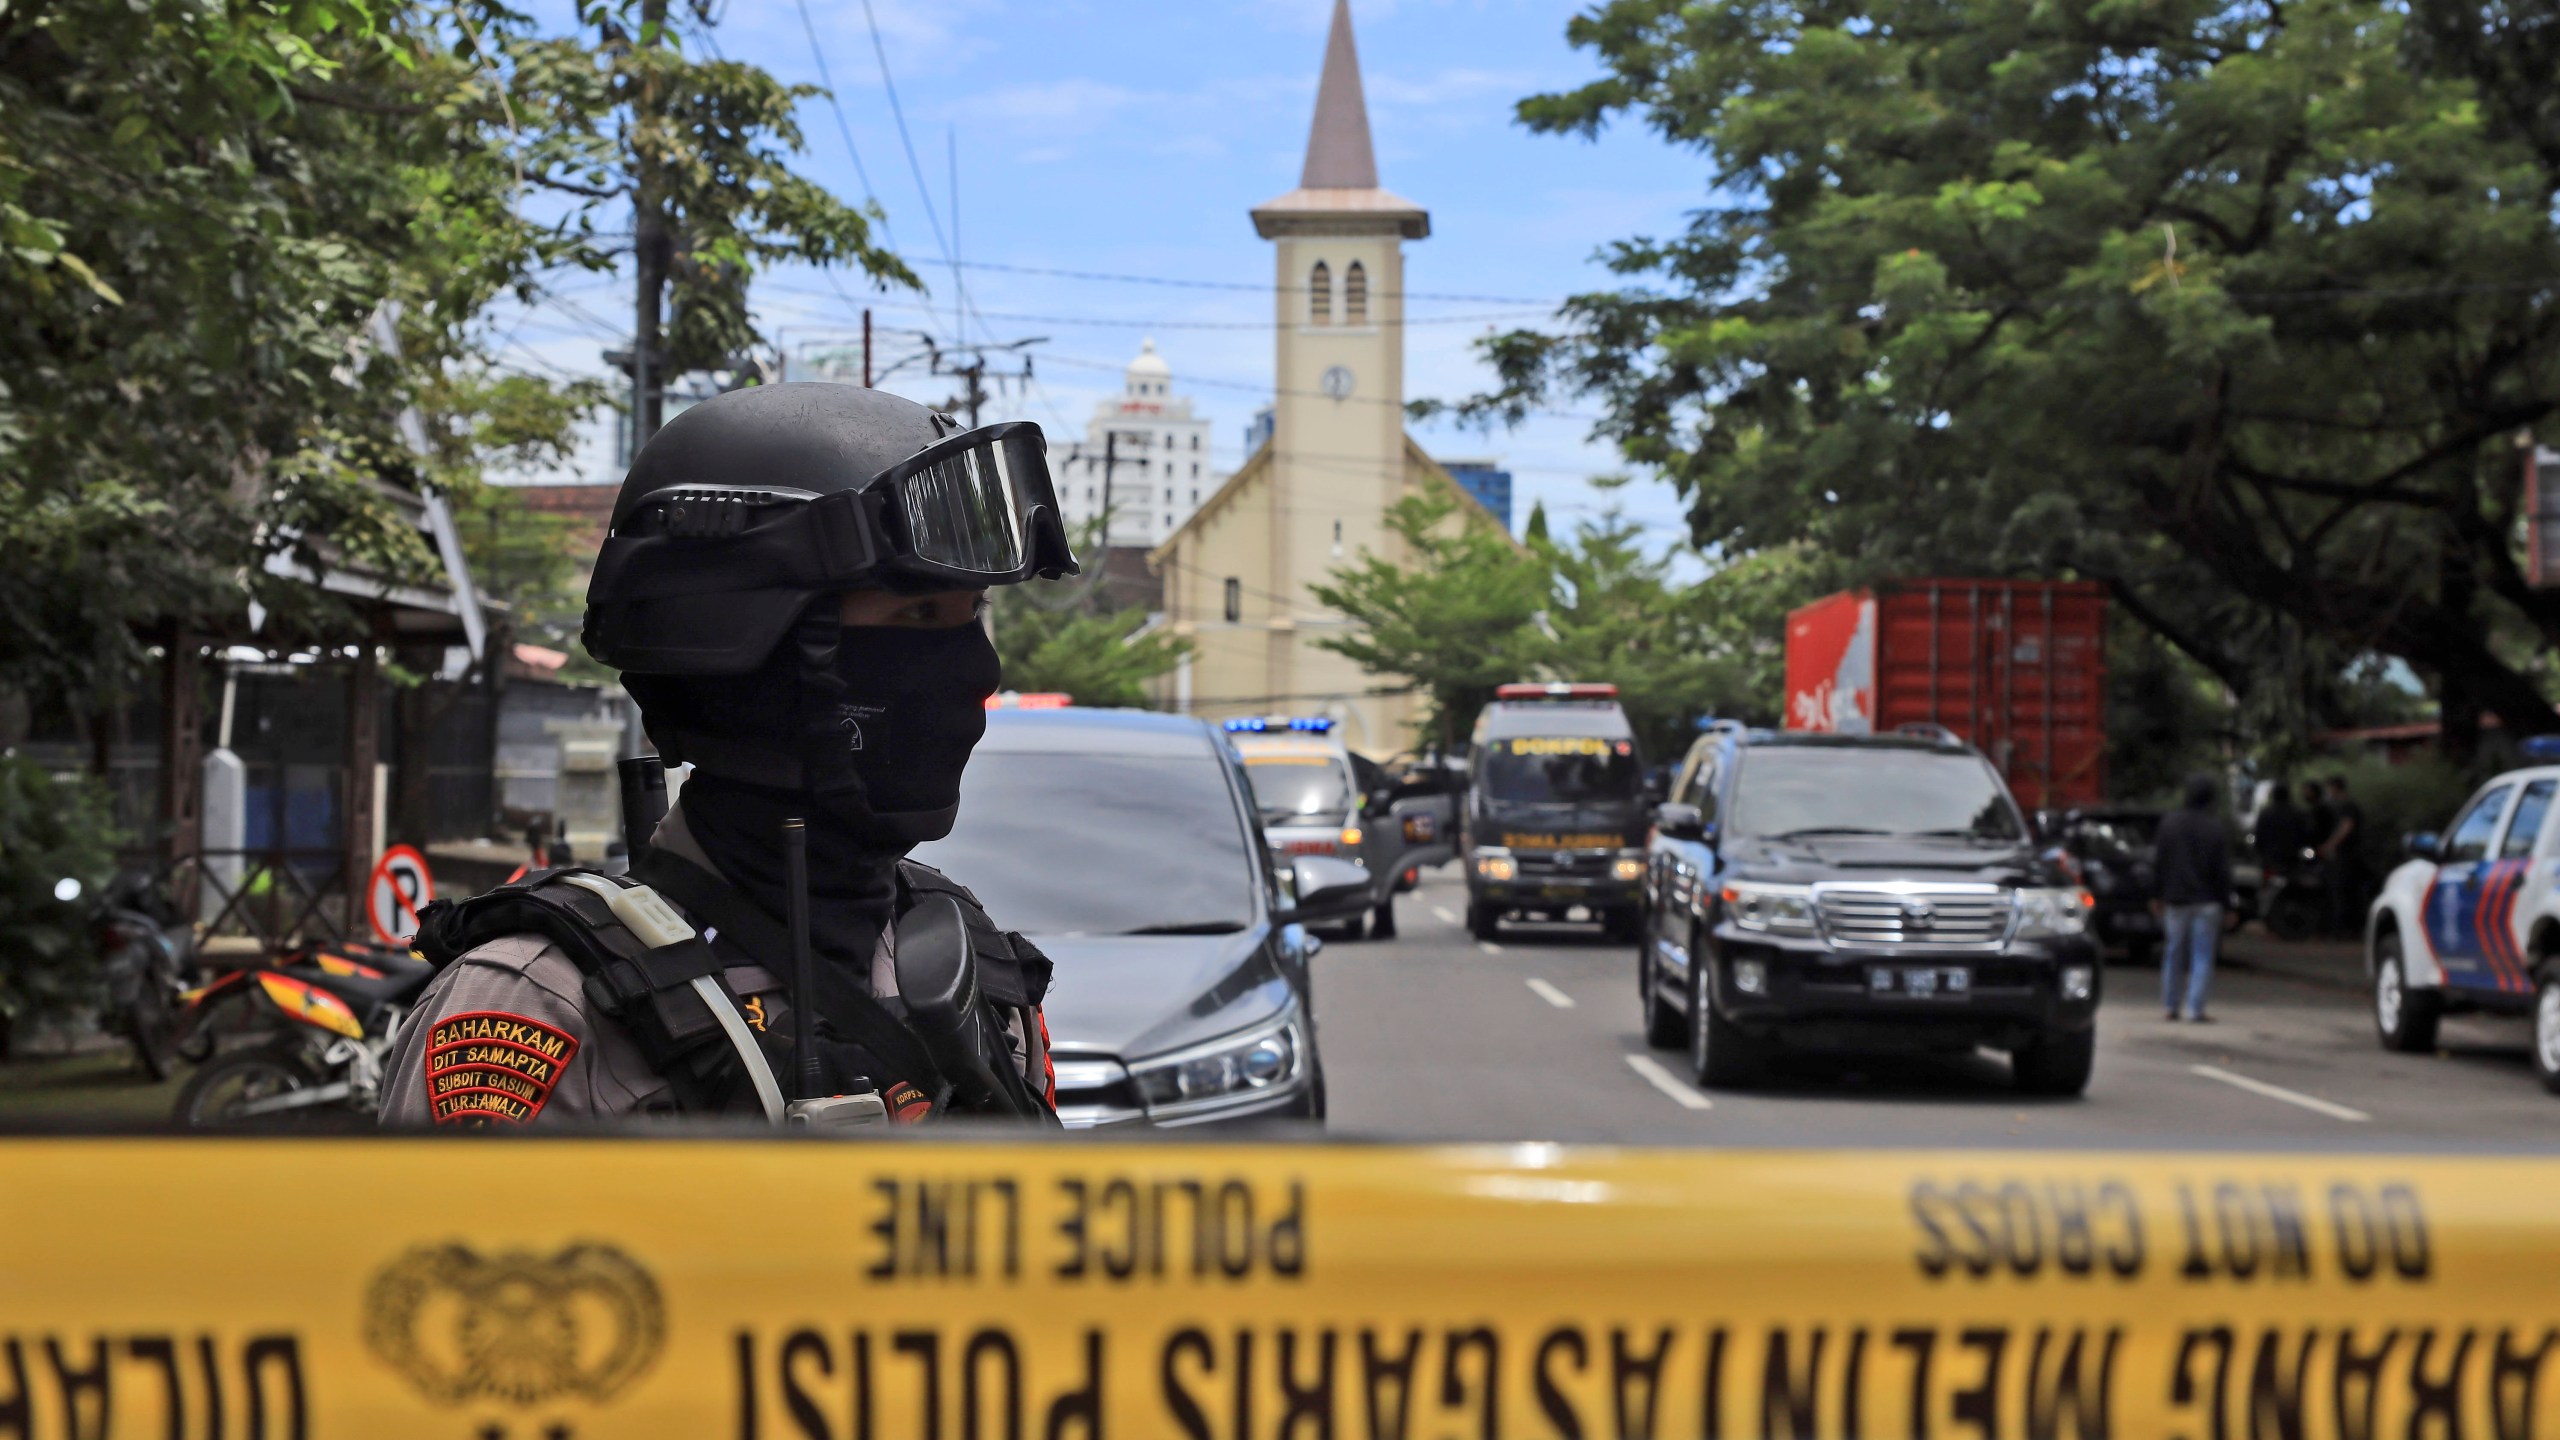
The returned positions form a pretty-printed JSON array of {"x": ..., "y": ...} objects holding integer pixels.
[
  {"x": 2295, "y": 901},
  {"x": 145, "y": 956},
  {"x": 310, "y": 1048}
]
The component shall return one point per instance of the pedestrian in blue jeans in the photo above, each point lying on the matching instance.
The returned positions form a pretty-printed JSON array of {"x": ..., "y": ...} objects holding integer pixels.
[{"x": 2191, "y": 859}]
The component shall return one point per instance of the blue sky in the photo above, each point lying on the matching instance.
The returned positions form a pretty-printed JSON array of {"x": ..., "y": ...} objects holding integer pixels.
[{"x": 1131, "y": 136}]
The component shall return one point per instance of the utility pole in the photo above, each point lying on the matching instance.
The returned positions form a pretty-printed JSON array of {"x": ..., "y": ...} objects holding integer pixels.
[
  {"x": 652, "y": 248},
  {"x": 1110, "y": 462},
  {"x": 972, "y": 370},
  {"x": 866, "y": 349}
]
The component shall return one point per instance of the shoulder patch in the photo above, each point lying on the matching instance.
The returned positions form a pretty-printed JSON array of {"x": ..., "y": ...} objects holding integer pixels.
[{"x": 490, "y": 1067}]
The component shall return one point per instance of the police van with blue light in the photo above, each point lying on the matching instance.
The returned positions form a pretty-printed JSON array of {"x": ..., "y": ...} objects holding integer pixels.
[
  {"x": 2471, "y": 921},
  {"x": 1555, "y": 810}
]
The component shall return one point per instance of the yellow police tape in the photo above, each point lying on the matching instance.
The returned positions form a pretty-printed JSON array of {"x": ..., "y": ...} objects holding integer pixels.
[{"x": 541, "y": 1289}]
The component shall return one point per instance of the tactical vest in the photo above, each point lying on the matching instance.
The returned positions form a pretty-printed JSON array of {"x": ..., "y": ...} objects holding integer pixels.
[{"x": 647, "y": 967}]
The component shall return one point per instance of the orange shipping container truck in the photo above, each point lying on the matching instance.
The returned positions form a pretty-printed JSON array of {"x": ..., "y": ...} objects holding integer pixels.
[{"x": 2017, "y": 668}]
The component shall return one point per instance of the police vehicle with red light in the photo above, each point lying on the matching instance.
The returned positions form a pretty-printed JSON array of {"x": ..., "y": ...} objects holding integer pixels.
[
  {"x": 1318, "y": 797},
  {"x": 2471, "y": 922},
  {"x": 1554, "y": 822}
]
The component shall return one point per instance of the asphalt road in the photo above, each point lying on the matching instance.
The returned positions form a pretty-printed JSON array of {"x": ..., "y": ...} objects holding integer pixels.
[{"x": 1433, "y": 1036}]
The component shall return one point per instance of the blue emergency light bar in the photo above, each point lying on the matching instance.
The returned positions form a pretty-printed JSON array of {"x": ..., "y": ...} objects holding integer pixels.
[
  {"x": 1303, "y": 724},
  {"x": 2544, "y": 748}
]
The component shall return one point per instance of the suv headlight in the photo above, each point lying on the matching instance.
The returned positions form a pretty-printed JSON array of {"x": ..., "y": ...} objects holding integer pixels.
[
  {"x": 1628, "y": 866},
  {"x": 1230, "y": 1070},
  {"x": 1496, "y": 865},
  {"x": 2053, "y": 914},
  {"x": 1778, "y": 909}
]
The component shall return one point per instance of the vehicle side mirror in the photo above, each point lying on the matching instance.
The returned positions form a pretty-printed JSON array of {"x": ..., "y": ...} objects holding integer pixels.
[
  {"x": 2423, "y": 845},
  {"x": 1681, "y": 822},
  {"x": 1325, "y": 888}
]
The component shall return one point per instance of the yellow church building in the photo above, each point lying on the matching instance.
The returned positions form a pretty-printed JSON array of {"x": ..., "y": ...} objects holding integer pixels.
[{"x": 1315, "y": 495}]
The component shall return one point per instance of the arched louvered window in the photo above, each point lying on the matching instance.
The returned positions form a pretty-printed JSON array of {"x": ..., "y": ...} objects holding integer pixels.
[
  {"x": 1355, "y": 295},
  {"x": 1320, "y": 294}
]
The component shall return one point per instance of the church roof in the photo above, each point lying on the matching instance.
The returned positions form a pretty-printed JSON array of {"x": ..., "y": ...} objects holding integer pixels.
[
  {"x": 1256, "y": 472},
  {"x": 1339, "y": 181}
]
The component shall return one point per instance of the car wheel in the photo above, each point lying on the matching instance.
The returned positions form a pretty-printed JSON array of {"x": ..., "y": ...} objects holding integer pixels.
[
  {"x": 2546, "y": 1031},
  {"x": 2058, "y": 1064},
  {"x": 1664, "y": 1027},
  {"x": 1382, "y": 921},
  {"x": 2404, "y": 1017},
  {"x": 1720, "y": 1055},
  {"x": 1483, "y": 921}
]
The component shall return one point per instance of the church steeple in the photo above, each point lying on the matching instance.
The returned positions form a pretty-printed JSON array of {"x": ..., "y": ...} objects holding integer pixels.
[
  {"x": 1339, "y": 156},
  {"x": 1338, "y": 191}
]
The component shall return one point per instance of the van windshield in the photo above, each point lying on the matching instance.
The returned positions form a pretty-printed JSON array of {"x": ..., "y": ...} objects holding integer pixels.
[
  {"x": 1562, "y": 770},
  {"x": 1299, "y": 790}
]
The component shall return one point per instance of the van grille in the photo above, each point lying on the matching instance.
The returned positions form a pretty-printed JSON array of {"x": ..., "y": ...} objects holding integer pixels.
[{"x": 1914, "y": 915}]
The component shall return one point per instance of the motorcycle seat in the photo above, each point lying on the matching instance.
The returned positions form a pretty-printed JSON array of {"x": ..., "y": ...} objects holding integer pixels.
[{"x": 364, "y": 995}]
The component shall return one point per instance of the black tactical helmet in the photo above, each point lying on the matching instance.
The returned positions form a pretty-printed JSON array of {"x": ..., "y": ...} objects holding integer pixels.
[{"x": 751, "y": 505}]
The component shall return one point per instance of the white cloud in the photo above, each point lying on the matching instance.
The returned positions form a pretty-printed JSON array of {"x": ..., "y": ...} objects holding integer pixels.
[{"x": 1079, "y": 102}]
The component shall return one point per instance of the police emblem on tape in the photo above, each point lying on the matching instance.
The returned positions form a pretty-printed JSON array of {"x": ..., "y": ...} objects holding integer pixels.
[
  {"x": 488, "y": 1067},
  {"x": 515, "y": 1327}
]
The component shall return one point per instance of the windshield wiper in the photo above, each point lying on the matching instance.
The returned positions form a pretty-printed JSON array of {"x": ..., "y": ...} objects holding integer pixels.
[
  {"x": 1827, "y": 830},
  {"x": 1190, "y": 927},
  {"x": 1965, "y": 834}
]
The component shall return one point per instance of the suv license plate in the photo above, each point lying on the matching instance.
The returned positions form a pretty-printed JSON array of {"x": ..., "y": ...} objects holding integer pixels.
[{"x": 1936, "y": 980}]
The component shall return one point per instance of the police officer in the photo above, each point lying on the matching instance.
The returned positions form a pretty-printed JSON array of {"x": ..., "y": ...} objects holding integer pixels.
[{"x": 792, "y": 589}]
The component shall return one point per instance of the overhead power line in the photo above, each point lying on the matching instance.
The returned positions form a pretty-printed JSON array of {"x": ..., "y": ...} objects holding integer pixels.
[
  {"x": 1481, "y": 317},
  {"x": 915, "y": 167},
  {"x": 818, "y": 52},
  {"x": 1057, "y": 273}
]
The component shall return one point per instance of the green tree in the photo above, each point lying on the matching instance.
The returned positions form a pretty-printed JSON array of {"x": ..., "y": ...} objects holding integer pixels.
[
  {"x": 1616, "y": 615},
  {"x": 51, "y": 829},
  {"x": 1101, "y": 657},
  {"x": 1743, "y": 604},
  {"x": 241, "y": 240},
  {"x": 1459, "y": 617},
  {"x": 2236, "y": 308},
  {"x": 1069, "y": 638}
]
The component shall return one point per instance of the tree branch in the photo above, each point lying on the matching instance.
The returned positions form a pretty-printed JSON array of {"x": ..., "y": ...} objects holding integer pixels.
[
  {"x": 573, "y": 188},
  {"x": 349, "y": 102}
]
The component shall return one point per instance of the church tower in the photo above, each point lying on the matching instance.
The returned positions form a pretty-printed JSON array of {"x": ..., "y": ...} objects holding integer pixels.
[{"x": 1314, "y": 497}]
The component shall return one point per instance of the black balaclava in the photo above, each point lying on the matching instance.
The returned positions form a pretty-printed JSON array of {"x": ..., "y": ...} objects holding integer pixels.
[{"x": 910, "y": 706}]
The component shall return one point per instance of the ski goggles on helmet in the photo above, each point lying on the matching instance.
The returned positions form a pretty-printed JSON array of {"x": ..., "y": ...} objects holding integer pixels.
[{"x": 975, "y": 509}]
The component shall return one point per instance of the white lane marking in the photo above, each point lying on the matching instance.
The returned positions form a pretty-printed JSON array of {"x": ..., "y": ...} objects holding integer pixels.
[
  {"x": 1550, "y": 994},
  {"x": 2278, "y": 1092},
  {"x": 1447, "y": 915},
  {"x": 1669, "y": 1084},
  {"x": 1488, "y": 947}
]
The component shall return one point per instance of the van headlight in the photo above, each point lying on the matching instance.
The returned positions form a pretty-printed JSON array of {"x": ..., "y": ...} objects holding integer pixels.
[
  {"x": 1231, "y": 1070},
  {"x": 2054, "y": 914},
  {"x": 1778, "y": 909},
  {"x": 1627, "y": 867},
  {"x": 1496, "y": 865}
]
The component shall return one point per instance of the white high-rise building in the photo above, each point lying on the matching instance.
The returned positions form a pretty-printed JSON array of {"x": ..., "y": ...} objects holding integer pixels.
[{"x": 1144, "y": 456}]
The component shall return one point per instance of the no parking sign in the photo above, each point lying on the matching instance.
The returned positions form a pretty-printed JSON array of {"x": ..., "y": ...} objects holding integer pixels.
[{"x": 399, "y": 889}]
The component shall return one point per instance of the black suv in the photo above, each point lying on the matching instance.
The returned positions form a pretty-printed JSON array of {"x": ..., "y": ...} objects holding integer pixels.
[{"x": 1862, "y": 891}]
